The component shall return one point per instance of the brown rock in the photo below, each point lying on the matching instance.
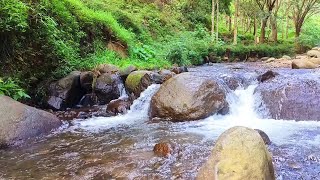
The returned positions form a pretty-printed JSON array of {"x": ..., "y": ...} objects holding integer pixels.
[
  {"x": 178, "y": 70},
  {"x": 119, "y": 106},
  {"x": 162, "y": 149},
  {"x": 188, "y": 97},
  {"x": 266, "y": 76},
  {"x": 107, "y": 69},
  {"x": 314, "y": 53},
  {"x": 166, "y": 74},
  {"x": 303, "y": 64}
]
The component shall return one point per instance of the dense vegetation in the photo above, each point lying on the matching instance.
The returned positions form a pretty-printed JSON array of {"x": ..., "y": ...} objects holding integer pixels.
[{"x": 46, "y": 39}]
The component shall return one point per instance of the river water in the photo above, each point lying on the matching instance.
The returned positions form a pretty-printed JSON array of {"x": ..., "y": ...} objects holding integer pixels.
[{"x": 121, "y": 147}]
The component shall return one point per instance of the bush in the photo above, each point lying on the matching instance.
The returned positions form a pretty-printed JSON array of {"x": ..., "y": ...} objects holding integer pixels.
[
  {"x": 10, "y": 88},
  {"x": 186, "y": 48},
  {"x": 14, "y": 16},
  {"x": 243, "y": 52}
]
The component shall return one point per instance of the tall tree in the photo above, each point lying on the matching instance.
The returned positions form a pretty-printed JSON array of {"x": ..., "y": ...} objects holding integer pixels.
[
  {"x": 217, "y": 34},
  {"x": 235, "y": 33},
  {"x": 302, "y": 9},
  {"x": 212, "y": 20},
  {"x": 266, "y": 6}
]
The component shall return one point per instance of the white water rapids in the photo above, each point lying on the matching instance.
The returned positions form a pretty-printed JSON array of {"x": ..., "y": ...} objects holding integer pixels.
[{"x": 243, "y": 112}]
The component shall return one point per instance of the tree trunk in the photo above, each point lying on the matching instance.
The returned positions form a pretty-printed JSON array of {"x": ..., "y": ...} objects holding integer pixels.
[
  {"x": 274, "y": 29},
  {"x": 230, "y": 23},
  {"x": 212, "y": 19},
  {"x": 235, "y": 32},
  {"x": 263, "y": 30},
  {"x": 287, "y": 27},
  {"x": 255, "y": 29},
  {"x": 217, "y": 34},
  {"x": 298, "y": 29}
]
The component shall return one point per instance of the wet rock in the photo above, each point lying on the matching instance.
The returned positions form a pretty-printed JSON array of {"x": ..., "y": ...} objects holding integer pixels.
[
  {"x": 264, "y": 58},
  {"x": 294, "y": 97},
  {"x": 314, "y": 53},
  {"x": 89, "y": 100},
  {"x": 303, "y": 64},
  {"x": 124, "y": 73},
  {"x": 107, "y": 88},
  {"x": 86, "y": 81},
  {"x": 266, "y": 76},
  {"x": 179, "y": 70},
  {"x": 156, "y": 78},
  {"x": 107, "y": 69},
  {"x": 20, "y": 122},
  {"x": 239, "y": 153},
  {"x": 166, "y": 74},
  {"x": 162, "y": 149},
  {"x": 233, "y": 81},
  {"x": 138, "y": 81},
  {"x": 264, "y": 136},
  {"x": 119, "y": 106},
  {"x": 188, "y": 97},
  {"x": 66, "y": 92}
]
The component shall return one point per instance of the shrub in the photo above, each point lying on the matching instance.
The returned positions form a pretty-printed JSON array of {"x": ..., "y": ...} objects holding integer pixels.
[
  {"x": 10, "y": 88},
  {"x": 187, "y": 48}
]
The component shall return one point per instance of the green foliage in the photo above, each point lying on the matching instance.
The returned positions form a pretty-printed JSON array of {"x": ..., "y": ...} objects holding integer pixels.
[
  {"x": 13, "y": 16},
  {"x": 10, "y": 88},
  {"x": 243, "y": 52},
  {"x": 185, "y": 48},
  {"x": 310, "y": 36}
]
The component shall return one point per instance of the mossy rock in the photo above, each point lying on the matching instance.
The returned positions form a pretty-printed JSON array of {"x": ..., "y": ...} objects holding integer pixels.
[
  {"x": 240, "y": 153},
  {"x": 138, "y": 81}
]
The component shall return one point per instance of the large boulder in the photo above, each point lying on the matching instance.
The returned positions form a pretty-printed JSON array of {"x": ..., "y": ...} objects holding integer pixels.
[
  {"x": 138, "y": 81},
  {"x": 20, "y": 122},
  {"x": 86, "y": 81},
  {"x": 239, "y": 153},
  {"x": 292, "y": 97},
  {"x": 66, "y": 92},
  {"x": 107, "y": 87},
  {"x": 188, "y": 97},
  {"x": 314, "y": 53}
]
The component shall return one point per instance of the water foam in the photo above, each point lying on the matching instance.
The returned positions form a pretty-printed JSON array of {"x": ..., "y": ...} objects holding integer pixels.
[
  {"x": 138, "y": 112},
  {"x": 244, "y": 112}
]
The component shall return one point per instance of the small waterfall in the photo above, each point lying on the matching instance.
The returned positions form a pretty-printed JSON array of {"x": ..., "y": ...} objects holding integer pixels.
[
  {"x": 138, "y": 112},
  {"x": 123, "y": 92}
]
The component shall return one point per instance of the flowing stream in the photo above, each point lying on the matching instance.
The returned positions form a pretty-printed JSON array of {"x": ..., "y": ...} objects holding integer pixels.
[{"x": 121, "y": 147}]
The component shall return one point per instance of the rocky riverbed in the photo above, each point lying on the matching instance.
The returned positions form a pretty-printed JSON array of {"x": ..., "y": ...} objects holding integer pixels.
[{"x": 282, "y": 102}]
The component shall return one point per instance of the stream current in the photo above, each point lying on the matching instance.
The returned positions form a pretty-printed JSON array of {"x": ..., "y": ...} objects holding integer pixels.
[{"x": 121, "y": 147}]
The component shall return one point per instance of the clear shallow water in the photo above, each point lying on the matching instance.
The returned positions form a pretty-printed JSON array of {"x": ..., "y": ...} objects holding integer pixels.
[{"x": 121, "y": 147}]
